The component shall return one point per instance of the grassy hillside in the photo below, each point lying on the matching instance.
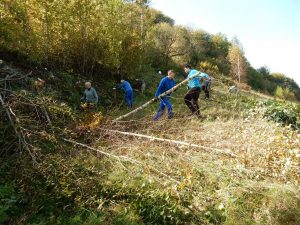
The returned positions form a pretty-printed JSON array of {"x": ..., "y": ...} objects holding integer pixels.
[{"x": 108, "y": 178}]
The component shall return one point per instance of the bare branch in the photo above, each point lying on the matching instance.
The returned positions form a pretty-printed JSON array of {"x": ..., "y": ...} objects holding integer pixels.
[
  {"x": 14, "y": 124},
  {"x": 216, "y": 150}
]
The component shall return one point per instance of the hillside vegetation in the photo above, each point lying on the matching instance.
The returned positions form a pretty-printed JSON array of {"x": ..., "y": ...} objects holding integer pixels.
[
  {"x": 60, "y": 165},
  {"x": 113, "y": 179},
  {"x": 106, "y": 39}
]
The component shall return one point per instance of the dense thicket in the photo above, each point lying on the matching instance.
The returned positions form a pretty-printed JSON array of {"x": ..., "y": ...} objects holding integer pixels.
[{"x": 99, "y": 38}]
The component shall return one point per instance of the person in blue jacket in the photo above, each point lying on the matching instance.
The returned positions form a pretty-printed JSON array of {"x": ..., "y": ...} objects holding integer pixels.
[
  {"x": 165, "y": 84},
  {"x": 194, "y": 86},
  {"x": 126, "y": 87}
]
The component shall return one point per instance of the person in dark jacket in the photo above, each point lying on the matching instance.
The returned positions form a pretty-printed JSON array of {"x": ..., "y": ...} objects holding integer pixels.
[{"x": 205, "y": 86}]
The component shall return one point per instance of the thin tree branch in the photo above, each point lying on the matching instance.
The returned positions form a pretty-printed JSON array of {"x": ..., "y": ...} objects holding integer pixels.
[
  {"x": 216, "y": 150},
  {"x": 14, "y": 124}
]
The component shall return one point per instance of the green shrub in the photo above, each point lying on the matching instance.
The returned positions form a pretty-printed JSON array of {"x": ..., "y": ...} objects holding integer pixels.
[
  {"x": 7, "y": 202},
  {"x": 284, "y": 114}
]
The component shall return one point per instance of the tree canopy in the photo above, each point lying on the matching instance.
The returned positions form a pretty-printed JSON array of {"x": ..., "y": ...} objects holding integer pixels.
[{"x": 103, "y": 37}]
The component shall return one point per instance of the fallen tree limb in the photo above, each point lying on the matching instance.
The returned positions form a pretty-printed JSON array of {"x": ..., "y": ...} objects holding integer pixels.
[
  {"x": 154, "y": 99},
  {"x": 11, "y": 78},
  {"x": 31, "y": 103},
  {"x": 19, "y": 133},
  {"x": 121, "y": 158},
  {"x": 216, "y": 150},
  {"x": 9, "y": 116}
]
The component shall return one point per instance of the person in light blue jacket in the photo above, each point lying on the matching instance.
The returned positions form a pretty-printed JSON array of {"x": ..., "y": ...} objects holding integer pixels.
[
  {"x": 90, "y": 98},
  {"x": 90, "y": 95},
  {"x": 194, "y": 86}
]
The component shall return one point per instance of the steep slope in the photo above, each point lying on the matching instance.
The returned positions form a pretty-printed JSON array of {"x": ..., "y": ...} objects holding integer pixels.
[{"x": 70, "y": 171}]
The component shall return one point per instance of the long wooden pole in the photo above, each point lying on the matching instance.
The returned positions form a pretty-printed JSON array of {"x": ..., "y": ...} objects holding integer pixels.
[
  {"x": 160, "y": 96},
  {"x": 216, "y": 150}
]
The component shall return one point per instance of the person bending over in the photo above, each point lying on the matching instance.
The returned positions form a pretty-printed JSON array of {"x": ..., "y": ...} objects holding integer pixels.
[{"x": 126, "y": 87}]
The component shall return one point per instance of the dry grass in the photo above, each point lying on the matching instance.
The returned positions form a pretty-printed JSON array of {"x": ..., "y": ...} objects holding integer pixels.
[
  {"x": 263, "y": 148},
  {"x": 267, "y": 164}
]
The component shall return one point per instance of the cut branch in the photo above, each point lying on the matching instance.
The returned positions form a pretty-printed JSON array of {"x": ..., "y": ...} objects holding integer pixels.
[
  {"x": 182, "y": 143},
  {"x": 13, "y": 123}
]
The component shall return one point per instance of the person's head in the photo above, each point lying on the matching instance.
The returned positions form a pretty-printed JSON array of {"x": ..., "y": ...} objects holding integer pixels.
[
  {"x": 88, "y": 85},
  {"x": 122, "y": 81},
  {"x": 187, "y": 68},
  {"x": 171, "y": 74}
]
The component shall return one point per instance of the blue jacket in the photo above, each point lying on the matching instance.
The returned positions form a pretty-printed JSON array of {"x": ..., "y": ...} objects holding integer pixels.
[
  {"x": 195, "y": 82},
  {"x": 125, "y": 86},
  {"x": 165, "y": 84}
]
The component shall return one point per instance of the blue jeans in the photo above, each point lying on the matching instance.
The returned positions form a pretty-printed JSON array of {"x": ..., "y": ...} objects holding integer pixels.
[
  {"x": 165, "y": 102},
  {"x": 129, "y": 98}
]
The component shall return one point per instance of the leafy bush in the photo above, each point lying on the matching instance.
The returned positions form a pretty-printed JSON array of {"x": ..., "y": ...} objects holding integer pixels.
[
  {"x": 284, "y": 114},
  {"x": 7, "y": 202}
]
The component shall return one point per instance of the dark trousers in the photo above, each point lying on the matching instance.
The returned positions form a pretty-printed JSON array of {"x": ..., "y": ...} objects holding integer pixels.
[
  {"x": 191, "y": 100},
  {"x": 206, "y": 88}
]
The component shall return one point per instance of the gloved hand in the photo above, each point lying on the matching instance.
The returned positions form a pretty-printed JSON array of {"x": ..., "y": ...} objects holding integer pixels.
[{"x": 156, "y": 99}]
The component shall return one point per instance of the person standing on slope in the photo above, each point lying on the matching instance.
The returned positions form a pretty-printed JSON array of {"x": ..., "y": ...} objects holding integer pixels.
[
  {"x": 205, "y": 85},
  {"x": 194, "y": 86},
  {"x": 90, "y": 97},
  {"x": 165, "y": 84},
  {"x": 126, "y": 87}
]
